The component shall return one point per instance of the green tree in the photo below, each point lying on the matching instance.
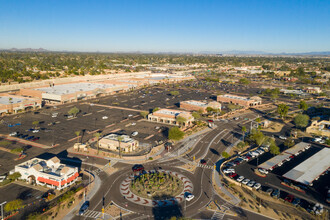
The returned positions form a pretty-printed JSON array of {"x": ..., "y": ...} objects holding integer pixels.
[
  {"x": 144, "y": 114},
  {"x": 196, "y": 115},
  {"x": 155, "y": 109},
  {"x": 282, "y": 110},
  {"x": 14, "y": 176},
  {"x": 97, "y": 135},
  {"x": 181, "y": 120},
  {"x": 35, "y": 123},
  {"x": 225, "y": 155},
  {"x": 303, "y": 105},
  {"x": 275, "y": 150},
  {"x": 175, "y": 133},
  {"x": 301, "y": 121},
  {"x": 175, "y": 93},
  {"x": 13, "y": 205},
  {"x": 240, "y": 145},
  {"x": 74, "y": 111},
  {"x": 209, "y": 109},
  {"x": 289, "y": 142},
  {"x": 244, "y": 81},
  {"x": 258, "y": 120}
]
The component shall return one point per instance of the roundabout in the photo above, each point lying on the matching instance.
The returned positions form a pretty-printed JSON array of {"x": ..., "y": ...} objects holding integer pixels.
[{"x": 170, "y": 189}]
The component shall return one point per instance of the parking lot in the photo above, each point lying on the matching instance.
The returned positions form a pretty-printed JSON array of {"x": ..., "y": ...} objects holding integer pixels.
[{"x": 273, "y": 179}]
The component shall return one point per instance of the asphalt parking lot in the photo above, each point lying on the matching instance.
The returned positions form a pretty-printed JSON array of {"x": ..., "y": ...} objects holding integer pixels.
[
  {"x": 273, "y": 180},
  {"x": 15, "y": 191}
]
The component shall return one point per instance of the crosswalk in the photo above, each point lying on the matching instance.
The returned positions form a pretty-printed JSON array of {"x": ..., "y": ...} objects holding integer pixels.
[
  {"x": 217, "y": 216},
  {"x": 91, "y": 214},
  {"x": 205, "y": 166}
]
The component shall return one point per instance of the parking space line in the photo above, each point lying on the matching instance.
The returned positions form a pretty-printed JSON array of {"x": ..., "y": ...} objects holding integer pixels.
[
  {"x": 91, "y": 132},
  {"x": 109, "y": 125},
  {"x": 118, "y": 129},
  {"x": 101, "y": 110},
  {"x": 135, "y": 106},
  {"x": 124, "y": 120},
  {"x": 150, "y": 136},
  {"x": 74, "y": 138},
  {"x": 87, "y": 114},
  {"x": 124, "y": 101},
  {"x": 135, "y": 116},
  {"x": 152, "y": 101}
]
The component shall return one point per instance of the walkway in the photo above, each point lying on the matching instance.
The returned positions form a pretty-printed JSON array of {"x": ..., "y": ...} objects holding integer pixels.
[{"x": 22, "y": 141}]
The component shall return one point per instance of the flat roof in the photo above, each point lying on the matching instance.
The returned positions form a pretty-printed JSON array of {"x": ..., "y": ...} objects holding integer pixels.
[
  {"x": 170, "y": 112},
  {"x": 75, "y": 87},
  {"x": 114, "y": 137},
  {"x": 296, "y": 148},
  {"x": 4, "y": 100},
  {"x": 274, "y": 161},
  {"x": 311, "y": 168},
  {"x": 197, "y": 103}
]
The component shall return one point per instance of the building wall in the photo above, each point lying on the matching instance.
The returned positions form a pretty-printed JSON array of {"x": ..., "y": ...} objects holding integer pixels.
[
  {"x": 246, "y": 103},
  {"x": 191, "y": 107},
  {"x": 319, "y": 128},
  {"x": 31, "y": 93},
  {"x": 114, "y": 145}
]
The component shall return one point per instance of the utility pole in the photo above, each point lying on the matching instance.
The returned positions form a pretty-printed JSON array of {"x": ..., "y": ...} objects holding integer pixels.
[{"x": 2, "y": 214}]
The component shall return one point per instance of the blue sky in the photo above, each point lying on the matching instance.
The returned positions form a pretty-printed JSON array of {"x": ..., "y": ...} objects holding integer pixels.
[{"x": 166, "y": 25}]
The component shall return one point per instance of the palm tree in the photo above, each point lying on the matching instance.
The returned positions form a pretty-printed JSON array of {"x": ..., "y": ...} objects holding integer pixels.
[
  {"x": 243, "y": 131},
  {"x": 119, "y": 139},
  {"x": 97, "y": 135},
  {"x": 77, "y": 134}
]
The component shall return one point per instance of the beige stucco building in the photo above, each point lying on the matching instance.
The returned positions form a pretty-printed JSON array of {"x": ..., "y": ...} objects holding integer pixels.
[
  {"x": 13, "y": 103},
  {"x": 320, "y": 128},
  {"x": 170, "y": 116},
  {"x": 111, "y": 142},
  {"x": 193, "y": 105},
  {"x": 240, "y": 100}
]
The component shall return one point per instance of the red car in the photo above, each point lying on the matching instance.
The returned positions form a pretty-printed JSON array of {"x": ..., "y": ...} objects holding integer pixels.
[
  {"x": 203, "y": 161},
  {"x": 34, "y": 139},
  {"x": 232, "y": 175},
  {"x": 248, "y": 157},
  {"x": 210, "y": 120},
  {"x": 137, "y": 167},
  {"x": 289, "y": 198}
]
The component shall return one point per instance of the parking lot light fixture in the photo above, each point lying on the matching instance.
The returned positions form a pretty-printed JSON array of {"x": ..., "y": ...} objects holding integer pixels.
[{"x": 2, "y": 204}]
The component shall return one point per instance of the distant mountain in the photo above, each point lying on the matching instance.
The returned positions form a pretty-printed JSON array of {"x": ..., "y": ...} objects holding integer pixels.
[{"x": 27, "y": 50}]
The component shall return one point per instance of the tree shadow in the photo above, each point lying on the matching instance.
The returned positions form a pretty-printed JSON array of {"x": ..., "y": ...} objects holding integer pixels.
[
  {"x": 166, "y": 209},
  {"x": 226, "y": 143},
  {"x": 214, "y": 151}
]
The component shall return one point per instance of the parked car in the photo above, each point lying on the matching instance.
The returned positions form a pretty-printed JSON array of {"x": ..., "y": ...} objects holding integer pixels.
[
  {"x": 232, "y": 175},
  {"x": 282, "y": 137},
  {"x": 257, "y": 186},
  {"x": 251, "y": 183},
  {"x": 231, "y": 164},
  {"x": 243, "y": 158},
  {"x": 13, "y": 134},
  {"x": 135, "y": 133},
  {"x": 210, "y": 120},
  {"x": 229, "y": 170},
  {"x": 105, "y": 117},
  {"x": 240, "y": 179},
  {"x": 70, "y": 116},
  {"x": 35, "y": 139},
  {"x": 24, "y": 136},
  {"x": 203, "y": 161},
  {"x": 133, "y": 123},
  {"x": 289, "y": 198},
  {"x": 29, "y": 138},
  {"x": 269, "y": 191},
  {"x": 35, "y": 131},
  {"x": 296, "y": 202},
  {"x": 246, "y": 181},
  {"x": 276, "y": 193}
]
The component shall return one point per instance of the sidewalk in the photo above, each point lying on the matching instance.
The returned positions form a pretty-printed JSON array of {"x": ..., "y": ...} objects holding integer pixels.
[
  {"x": 34, "y": 144},
  {"x": 91, "y": 193},
  {"x": 234, "y": 199}
]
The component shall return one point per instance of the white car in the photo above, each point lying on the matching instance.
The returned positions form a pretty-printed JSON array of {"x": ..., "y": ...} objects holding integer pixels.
[
  {"x": 189, "y": 197},
  {"x": 240, "y": 179},
  {"x": 133, "y": 123},
  {"x": 257, "y": 186},
  {"x": 246, "y": 181},
  {"x": 12, "y": 134},
  {"x": 92, "y": 104},
  {"x": 105, "y": 117},
  {"x": 130, "y": 115},
  {"x": 251, "y": 183},
  {"x": 282, "y": 137},
  {"x": 229, "y": 171},
  {"x": 135, "y": 133},
  {"x": 35, "y": 131},
  {"x": 54, "y": 115},
  {"x": 244, "y": 158},
  {"x": 70, "y": 116}
]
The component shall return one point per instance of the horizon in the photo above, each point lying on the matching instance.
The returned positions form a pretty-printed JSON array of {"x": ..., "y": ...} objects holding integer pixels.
[{"x": 275, "y": 27}]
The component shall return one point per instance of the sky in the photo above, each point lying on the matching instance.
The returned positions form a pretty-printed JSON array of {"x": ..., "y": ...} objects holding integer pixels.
[{"x": 166, "y": 25}]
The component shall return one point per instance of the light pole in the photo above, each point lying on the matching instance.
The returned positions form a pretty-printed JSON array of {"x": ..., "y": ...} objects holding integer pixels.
[{"x": 2, "y": 214}]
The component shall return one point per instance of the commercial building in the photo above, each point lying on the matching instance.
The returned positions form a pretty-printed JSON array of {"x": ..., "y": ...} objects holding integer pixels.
[
  {"x": 112, "y": 142},
  {"x": 292, "y": 91},
  {"x": 170, "y": 116},
  {"x": 51, "y": 173},
  {"x": 193, "y": 105},
  {"x": 240, "y": 100},
  {"x": 313, "y": 90},
  {"x": 72, "y": 92},
  {"x": 13, "y": 104},
  {"x": 320, "y": 128},
  {"x": 309, "y": 170}
]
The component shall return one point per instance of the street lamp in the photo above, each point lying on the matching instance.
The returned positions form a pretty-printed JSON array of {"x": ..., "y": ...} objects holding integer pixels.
[{"x": 2, "y": 214}]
